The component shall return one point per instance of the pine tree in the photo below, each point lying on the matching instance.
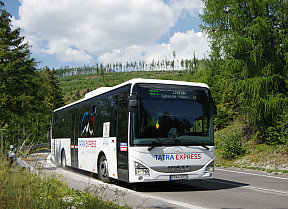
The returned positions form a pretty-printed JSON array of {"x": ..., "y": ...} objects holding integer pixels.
[
  {"x": 50, "y": 87},
  {"x": 250, "y": 52},
  {"x": 17, "y": 89}
]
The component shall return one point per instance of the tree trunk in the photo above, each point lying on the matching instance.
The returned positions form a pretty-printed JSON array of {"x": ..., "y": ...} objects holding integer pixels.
[
  {"x": 24, "y": 132},
  {"x": 2, "y": 140}
]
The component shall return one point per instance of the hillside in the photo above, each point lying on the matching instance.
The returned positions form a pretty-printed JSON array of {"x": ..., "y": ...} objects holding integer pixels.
[{"x": 75, "y": 87}]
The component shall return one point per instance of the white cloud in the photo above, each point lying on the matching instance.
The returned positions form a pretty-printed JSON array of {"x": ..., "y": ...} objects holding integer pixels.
[
  {"x": 92, "y": 27},
  {"x": 184, "y": 44},
  {"x": 112, "y": 30},
  {"x": 75, "y": 55},
  {"x": 187, "y": 7}
]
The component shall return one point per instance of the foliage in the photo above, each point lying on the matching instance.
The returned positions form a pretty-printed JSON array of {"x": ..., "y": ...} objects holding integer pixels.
[
  {"x": 249, "y": 42},
  {"x": 229, "y": 142},
  {"x": 17, "y": 89},
  {"x": 34, "y": 126},
  {"x": 222, "y": 119},
  {"x": 16, "y": 71}
]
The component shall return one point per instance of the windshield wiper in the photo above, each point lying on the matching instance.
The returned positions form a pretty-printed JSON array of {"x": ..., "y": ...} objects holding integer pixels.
[
  {"x": 160, "y": 143},
  {"x": 157, "y": 144},
  {"x": 154, "y": 145},
  {"x": 202, "y": 145}
]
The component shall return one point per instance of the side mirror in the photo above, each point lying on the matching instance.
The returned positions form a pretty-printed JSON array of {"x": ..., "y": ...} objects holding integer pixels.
[{"x": 132, "y": 103}]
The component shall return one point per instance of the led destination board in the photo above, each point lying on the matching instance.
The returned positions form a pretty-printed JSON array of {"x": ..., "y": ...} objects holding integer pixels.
[{"x": 172, "y": 94}]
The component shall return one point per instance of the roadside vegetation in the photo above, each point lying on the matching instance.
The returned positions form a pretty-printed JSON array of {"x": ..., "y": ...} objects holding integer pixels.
[{"x": 20, "y": 188}]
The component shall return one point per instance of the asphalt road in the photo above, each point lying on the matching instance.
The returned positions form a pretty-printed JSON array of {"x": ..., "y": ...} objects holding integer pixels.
[{"x": 229, "y": 189}]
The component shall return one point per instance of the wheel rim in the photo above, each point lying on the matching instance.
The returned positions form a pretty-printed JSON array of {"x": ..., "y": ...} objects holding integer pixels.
[{"x": 104, "y": 168}]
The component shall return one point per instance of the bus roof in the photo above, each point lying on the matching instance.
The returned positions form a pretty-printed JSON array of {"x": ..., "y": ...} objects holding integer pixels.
[{"x": 133, "y": 81}]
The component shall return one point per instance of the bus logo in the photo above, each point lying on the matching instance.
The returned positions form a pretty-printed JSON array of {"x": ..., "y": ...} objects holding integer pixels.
[
  {"x": 85, "y": 120},
  {"x": 177, "y": 149}
]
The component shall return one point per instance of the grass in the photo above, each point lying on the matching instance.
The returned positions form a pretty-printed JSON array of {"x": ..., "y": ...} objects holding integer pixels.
[
  {"x": 21, "y": 189},
  {"x": 262, "y": 157}
]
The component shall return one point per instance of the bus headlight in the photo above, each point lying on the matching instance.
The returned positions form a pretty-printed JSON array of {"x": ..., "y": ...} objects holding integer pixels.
[
  {"x": 141, "y": 169},
  {"x": 210, "y": 167}
]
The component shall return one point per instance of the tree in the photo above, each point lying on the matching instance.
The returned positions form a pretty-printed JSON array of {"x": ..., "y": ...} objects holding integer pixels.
[
  {"x": 27, "y": 95},
  {"x": 50, "y": 86},
  {"x": 249, "y": 41},
  {"x": 16, "y": 72},
  {"x": 173, "y": 62},
  {"x": 102, "y": 72}
]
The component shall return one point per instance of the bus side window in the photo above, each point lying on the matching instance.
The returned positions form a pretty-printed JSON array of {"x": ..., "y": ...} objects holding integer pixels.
[
  {"x": 97, "y": 117},
  {"x": 113, "y": 115},
  {"x": 122, "y": 132}
]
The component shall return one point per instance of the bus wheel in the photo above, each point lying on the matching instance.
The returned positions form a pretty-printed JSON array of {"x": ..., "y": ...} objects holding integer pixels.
[
  {"x": 63, "y": 160},
  {"x": 103, "y": 170}
]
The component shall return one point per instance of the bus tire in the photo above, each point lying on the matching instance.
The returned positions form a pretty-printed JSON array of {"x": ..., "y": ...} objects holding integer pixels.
[
  {"x": 63, "y": 160},
  {"x": 103, "y": 173}
]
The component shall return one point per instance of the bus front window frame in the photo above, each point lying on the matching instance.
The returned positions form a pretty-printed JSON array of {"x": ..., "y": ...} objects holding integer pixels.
[{"x": 172, "y": 137}]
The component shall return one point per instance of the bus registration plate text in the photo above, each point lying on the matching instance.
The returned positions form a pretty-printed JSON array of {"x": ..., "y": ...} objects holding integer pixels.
[{"x": 178, "y": 177}]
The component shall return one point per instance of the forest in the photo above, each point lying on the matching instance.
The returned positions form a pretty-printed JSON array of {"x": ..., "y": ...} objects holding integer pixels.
[{"x": 246, "y": 72}]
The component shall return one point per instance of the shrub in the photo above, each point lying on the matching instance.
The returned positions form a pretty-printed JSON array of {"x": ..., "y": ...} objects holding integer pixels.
[{"x": 229, "y": 142}]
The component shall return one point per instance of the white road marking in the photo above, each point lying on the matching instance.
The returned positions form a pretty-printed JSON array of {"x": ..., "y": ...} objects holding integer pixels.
[
  {"x": 259, "y": 189},
  {"x": 253, "y": 174},
  {"x": 268, "y": 190},
  {"x": 181, "y": 204}
]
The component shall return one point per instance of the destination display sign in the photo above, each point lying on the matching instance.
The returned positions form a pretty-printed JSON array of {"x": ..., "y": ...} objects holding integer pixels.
[{"x": 171, "y": 94}]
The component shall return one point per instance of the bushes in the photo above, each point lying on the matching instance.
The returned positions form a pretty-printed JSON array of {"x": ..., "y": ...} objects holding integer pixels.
[{"x": 229, "y": 142}]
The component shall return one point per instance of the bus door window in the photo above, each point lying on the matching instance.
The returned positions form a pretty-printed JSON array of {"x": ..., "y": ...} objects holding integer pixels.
[
  {"x": 122, "y": 136},
  {"x": 74, "y": 139}
]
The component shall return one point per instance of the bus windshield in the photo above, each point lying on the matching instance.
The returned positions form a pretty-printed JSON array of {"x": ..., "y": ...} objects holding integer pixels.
[{"x": 172, "y": 115}]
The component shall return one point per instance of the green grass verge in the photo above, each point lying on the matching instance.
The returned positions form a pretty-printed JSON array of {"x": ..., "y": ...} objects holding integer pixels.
[{"x": 21, "y": 189}]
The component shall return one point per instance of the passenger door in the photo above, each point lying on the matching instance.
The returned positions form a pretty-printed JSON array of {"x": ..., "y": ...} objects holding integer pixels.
[{"x": 122, "y": 136}]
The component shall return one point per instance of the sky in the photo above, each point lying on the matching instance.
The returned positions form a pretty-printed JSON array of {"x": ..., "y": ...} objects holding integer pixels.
[{"x": 85, "y": 32}]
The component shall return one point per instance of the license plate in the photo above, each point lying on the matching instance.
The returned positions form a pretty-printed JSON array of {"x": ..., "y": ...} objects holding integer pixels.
[{"x": 178, "y": 177}]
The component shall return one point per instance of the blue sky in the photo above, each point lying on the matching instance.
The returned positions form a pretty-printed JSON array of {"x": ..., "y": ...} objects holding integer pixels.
[{"x": 76, "y": 32}]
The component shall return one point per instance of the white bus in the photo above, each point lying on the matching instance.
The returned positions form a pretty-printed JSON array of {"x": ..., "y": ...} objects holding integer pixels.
[{"x": 143, "y": 130}]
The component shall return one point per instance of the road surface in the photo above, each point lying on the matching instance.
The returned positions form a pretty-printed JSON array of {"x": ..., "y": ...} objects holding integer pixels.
[{"x": 229, "y": 189}]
